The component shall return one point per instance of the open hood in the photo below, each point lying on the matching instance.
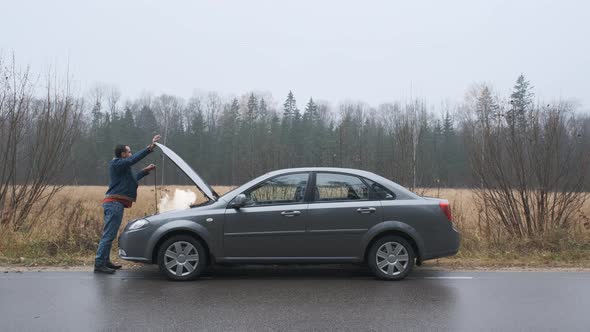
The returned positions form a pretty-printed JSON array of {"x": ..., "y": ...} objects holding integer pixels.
[{"x": 201, "y": 185}]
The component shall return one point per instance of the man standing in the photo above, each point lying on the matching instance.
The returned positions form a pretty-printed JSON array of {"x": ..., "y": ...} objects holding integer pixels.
[{"x": 121, "y": 194}]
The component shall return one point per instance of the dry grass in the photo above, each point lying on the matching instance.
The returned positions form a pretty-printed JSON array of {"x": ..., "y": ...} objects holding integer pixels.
[
  {"x": 68, "y": 229},
  {"x": 67, "y": 232},
  {"x": 485, "y": 245}
]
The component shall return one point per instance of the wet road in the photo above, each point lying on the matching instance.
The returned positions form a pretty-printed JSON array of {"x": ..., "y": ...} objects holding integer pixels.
[{"x": 295, "y": 299}]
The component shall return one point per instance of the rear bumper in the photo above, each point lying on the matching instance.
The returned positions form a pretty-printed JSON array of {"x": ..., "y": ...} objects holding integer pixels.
[
  {"x": 452, "y": 241},
  {"x": 440, "y": 254}
]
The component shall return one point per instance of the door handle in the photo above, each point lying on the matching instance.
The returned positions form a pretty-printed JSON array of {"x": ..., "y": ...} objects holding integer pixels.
[
  {"x": 289, "y": 214},
  {"x": 366, "y": 210}
]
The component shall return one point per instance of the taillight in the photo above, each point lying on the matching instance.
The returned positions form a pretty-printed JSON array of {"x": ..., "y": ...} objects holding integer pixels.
[{"x": 446, "y": 209}]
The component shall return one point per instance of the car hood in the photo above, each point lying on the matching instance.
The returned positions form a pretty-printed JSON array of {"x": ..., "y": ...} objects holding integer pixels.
[{"x": 201, "y": 185}]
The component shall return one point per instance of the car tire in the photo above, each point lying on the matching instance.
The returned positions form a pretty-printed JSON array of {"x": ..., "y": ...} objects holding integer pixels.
[
  {"x": 182, "y": 257},
  {"x": 391, "y": 258}
]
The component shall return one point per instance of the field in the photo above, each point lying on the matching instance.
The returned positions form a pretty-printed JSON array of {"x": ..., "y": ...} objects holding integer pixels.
[{"x": 67, "y": 231}]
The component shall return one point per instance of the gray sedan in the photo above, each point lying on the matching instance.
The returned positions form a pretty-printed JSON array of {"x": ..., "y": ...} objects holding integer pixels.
[{"x": 296, "y": 216}]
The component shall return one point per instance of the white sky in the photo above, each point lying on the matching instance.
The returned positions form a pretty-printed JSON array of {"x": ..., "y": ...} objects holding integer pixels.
[{"x": 374, "y": 51}]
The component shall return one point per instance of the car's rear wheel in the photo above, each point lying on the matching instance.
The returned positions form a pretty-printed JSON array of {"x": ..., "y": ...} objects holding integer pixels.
[
  {"x": 182, "y": 257},
  {"x": 391, "y": 258}
]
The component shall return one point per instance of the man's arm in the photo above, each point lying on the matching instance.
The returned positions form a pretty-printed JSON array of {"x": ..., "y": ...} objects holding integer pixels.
[
  {"x": 144, "y": 172},
  {"x": 134, "y": 159},
  {"x": 140, "y": 175}
]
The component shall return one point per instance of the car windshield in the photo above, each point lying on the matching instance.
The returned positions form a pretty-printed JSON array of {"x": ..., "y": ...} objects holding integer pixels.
[{"x": 230, "y": 191}]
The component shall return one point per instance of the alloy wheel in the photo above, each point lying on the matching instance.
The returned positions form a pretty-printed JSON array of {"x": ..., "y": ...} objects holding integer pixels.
[
  {"x": 392, "y": 258},
  {"x": 181, "y": 258}
]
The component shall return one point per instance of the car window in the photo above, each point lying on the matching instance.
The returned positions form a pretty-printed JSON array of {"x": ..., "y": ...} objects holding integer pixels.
[
  {"x": 339, "y": 187},
  {"x": 378, "y": 192},
  {"x": 284, "y": 189}
]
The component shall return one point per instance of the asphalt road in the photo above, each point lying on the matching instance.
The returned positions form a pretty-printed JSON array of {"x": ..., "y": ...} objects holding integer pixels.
[{"x": 295, "y": 299}]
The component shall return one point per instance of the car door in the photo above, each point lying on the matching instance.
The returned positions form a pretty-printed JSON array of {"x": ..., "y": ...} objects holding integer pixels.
[
  {"x": 272, "y": 224},
  {"x": 339, "y": 215}
]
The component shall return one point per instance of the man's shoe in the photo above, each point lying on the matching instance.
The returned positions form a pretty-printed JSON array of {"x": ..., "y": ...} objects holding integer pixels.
[
  {"x": 103, "y": 269},
  {"x": 110, "y": 265}
]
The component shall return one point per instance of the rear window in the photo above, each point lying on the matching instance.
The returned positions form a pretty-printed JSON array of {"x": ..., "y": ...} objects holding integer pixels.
[
  {"x": 340, "y": 187},
  {"x": 378, "y": 192}
]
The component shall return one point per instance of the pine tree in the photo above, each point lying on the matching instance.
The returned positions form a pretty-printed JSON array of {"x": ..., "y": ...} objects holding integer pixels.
[
  {"x": 309, "y": 129},
  {"x": 275, "y": 139},
  {"x": 247, "y": 133},
  {"x": 486, "y": 107},
  {"x": 96, "y": 117},
  {"x": 448, "y": 156},
  {"x": 197, "y": 139},
  {"x": 290, "y": 110},
  {"x": 311, "y": 111},
  {"x": 522, "y": 101},
  {"x": 252, "y": 110},
  {"x": 127, "y": 128},
  {"x": 128, "y": 118},
  {"x": 230, "y": 118},
  {"x": 147, "y": 122},
  {"x": 448, "y": 130},
  {"x": 263, "y": 108},
  {"x": 290, "y": 127}
]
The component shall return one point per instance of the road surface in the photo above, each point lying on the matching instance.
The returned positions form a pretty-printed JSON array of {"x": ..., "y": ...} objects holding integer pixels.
[{"x": 316, "y": 298}]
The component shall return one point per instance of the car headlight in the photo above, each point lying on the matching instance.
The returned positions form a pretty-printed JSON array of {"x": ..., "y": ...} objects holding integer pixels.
[{"x": 140, "y": 223}]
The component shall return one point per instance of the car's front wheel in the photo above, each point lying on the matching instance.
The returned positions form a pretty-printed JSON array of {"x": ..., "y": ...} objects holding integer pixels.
[
  {"x": 391, "y": 258},
  {"x": 182, "y": 257}
]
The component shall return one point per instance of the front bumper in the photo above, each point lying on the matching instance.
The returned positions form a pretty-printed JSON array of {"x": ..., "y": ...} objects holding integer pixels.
[{"x": 132, "y": 246}]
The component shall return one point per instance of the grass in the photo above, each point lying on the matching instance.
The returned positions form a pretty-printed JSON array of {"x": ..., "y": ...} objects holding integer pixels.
[{"x": 67, "y": 231}]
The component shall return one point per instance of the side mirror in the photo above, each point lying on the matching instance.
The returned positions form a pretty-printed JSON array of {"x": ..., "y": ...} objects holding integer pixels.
[{"x": 238, "y": 201}]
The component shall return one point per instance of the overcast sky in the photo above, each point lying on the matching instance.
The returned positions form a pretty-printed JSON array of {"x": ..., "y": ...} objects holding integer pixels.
[{"x": 374, "y": 51}]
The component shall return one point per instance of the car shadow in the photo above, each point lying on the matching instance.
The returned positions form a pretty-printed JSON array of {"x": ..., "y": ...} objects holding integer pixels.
[
  {"x": 285, "y": 272},
  {"x": 332, "y": 271}
]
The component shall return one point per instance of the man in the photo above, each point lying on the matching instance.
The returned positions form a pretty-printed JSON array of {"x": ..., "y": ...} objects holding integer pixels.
[{"x": 121, "y": 194}]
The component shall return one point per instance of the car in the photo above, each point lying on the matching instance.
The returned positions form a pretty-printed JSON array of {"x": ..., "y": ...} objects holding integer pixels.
[{"x": 296, "y": 216}]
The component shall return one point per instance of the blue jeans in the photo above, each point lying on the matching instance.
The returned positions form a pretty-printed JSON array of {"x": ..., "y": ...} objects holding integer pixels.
[{"x": 113, "y": 215}]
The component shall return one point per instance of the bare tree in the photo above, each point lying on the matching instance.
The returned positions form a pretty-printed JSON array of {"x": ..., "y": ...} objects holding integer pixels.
[
  {"x": 405, "y": 125},
  {"x": 213, "y": 107},
  {"x": 113, "y": 97},
  {"x": 531, "y": 170},
  {"x": 38, "y": 135}
]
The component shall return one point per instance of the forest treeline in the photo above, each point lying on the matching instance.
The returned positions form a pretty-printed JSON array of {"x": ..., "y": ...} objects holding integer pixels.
[{"x": 228, "y": 141}]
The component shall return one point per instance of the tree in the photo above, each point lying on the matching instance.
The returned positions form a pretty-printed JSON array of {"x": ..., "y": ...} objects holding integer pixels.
[
  {"x": 311, "y": 112},
  {"x": 290, "y": 110},
  {"x": 147, "y": 122},
  {"x": 447, "y": 149},
  {"x": 521, "y": 100},
  {"x": 248, "y": 133},
  {"x": 38, "y": 135},
  {"x": 230, "y": 141},
  {"x": 290, "y": 128},
  {"x": 523, "y": 172},
  {"x": 252, "y": 109},
  {"x": 197, "y": 129},
  {"x": 263, "y": 108}
]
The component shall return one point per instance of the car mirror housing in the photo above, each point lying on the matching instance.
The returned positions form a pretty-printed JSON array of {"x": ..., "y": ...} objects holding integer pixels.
[{"x": 238, "y": 202}]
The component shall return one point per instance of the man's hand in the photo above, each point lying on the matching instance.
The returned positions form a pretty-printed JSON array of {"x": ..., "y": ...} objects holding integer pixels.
[
  {"x": 149, "y": 168},
  {"x": 152, "y": 146}
]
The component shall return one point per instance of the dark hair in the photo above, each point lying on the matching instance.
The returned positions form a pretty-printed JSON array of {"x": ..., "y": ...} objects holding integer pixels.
[{"x": 119, "y": 149}]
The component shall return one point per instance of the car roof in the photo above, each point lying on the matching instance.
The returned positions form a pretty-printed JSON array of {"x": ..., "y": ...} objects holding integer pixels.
[{"x": 320, "y": 169}]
